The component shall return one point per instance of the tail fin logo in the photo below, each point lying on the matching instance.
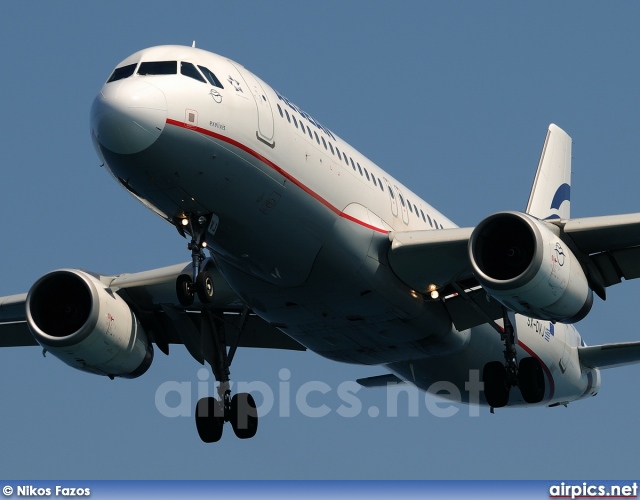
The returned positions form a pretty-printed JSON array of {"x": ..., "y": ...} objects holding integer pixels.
[{"x": 563, "y": 193}]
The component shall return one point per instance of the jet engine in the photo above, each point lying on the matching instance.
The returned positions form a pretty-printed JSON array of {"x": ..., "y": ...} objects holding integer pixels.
[
  {"x": 523, "y": 264},
  {"x": 78, "y": 319}
]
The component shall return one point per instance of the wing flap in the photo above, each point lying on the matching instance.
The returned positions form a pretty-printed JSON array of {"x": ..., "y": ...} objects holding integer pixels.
[
  {"x": 431, "y": 257},
  {"x": 610, "y": 355}
]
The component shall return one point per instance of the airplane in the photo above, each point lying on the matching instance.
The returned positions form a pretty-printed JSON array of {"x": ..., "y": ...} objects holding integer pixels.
[{"x": 298, "y": 241}]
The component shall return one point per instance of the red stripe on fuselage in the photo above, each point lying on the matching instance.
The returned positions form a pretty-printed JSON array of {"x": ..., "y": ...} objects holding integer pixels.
[{"x": 278, "y": 169}]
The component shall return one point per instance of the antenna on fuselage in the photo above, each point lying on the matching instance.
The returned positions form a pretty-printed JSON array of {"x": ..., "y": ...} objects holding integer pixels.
[{"x": 193, "y": 44}]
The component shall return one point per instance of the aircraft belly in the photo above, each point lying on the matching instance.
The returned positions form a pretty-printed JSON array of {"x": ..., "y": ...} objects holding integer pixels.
[
  {"x": 206, "y": 177},
  {"x": 343, "y": 313}
]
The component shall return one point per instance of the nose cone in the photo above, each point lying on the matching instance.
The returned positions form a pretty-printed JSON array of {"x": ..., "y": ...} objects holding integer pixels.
[{"x": 128, "y": 115}]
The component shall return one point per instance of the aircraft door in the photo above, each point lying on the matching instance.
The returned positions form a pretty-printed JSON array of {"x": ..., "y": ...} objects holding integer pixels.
[
  {"x": 265, "y": 114},
  {"x": 392, "y": 197},
  {"x": 403, "y": 206}
]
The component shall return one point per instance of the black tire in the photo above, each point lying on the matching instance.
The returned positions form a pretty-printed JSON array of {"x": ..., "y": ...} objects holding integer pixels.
[
  {"x": 531, "y": 380},
  {"x": 184, "y": 290},
  {"x": 204, "y": 287},
  {"x": 244, "y": 415},
  {"x": 209, "y": 419},
  {"x": 496, "y": 386}
]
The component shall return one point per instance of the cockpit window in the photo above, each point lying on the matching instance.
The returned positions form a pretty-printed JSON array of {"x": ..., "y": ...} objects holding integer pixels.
[
  {"x": 188, "y": 69},
  {"x": 158, "y": 68},
  {"x": 208, "y": 74},
  {"x": 122, "y": 72}
]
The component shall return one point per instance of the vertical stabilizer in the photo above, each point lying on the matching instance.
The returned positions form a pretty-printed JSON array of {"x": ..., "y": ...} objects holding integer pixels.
[{"x": 550, "y": 194}]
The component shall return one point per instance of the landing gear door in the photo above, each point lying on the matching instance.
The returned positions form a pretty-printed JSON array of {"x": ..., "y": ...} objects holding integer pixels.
[{"x": 263, "y": 106}]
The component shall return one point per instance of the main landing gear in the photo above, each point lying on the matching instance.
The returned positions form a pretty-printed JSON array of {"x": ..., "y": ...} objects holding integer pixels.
[
  {"x": 500, "y": 377},
  {"x": 240, "y": 410}
]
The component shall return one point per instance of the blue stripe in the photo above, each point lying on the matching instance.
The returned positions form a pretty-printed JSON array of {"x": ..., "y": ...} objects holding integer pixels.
[{"x": 563, "y": 193}]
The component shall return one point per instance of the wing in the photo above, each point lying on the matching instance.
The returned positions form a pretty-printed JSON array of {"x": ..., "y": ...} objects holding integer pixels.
[
  {"x": 612, "y": 243},
  {"x": 608, "y": 247},
  {"x": 439, "y": 262},
  {"x": 610, "y": 355},
  {"x": 151, "y": 295},
  {"x": 13, "y": 322}
]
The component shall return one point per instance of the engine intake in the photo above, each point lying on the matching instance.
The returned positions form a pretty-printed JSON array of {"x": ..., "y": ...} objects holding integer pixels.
[
  {"x": 524, "y": 265},
  {"x": 78, "y": 319}
]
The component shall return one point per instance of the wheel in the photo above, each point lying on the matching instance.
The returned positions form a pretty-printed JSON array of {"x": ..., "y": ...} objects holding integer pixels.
[
  {"x": 204, "y": 287},
  {"x": 244, "y": 415},
  {"x": 496, "y": 387},
  {"x": 531, "y": 380},
  {"x": 209, "y": 419},
  {"x": 184, "y": 290}
]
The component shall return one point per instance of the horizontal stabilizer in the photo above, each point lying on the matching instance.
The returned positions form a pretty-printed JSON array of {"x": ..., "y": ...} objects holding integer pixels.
[
  {"x": 380, "y": 381},
  {"x": 610, "y": 355}
]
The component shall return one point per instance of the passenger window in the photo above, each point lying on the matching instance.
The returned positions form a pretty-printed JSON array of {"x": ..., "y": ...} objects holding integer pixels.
[
  {"x": 380, "y": 184},
  {"x": 393, "y": 196},
  {"x": 344, "y": 155},
  {"x": 123, "y": 72},
  {"x": 422, "y": 214},
  {"x": 208, "y": 74},
  {"x": 429, "y": 219},
  {"x": 360, "y": 169},
  {"x": 331, "y": 147},
  {"x": 324, "y": 142},
  {"x": 188, "y": 69},
  {"x": 402, "y": 200},
  {"x": 409, "y": 204},
  {"x": 316, "y": 134},
  {"x": 309, "y": 132},
  {"x": 280, "y": 110},
  {"x": 338, "y": 151},
  {"x": 158, "y": 68},
  {"x": 288, "y": 117},
  {"x": 352, "y": 164},
  {"x": 295, "y": 122},
  {"x": 366, "y": 173}
]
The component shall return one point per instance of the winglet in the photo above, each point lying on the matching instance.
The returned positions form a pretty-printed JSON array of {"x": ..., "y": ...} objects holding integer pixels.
[{"x": 550, "y": 194}]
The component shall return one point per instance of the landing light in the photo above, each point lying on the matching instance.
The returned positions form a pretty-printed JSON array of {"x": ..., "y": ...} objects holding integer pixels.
[
  {"x": 203, "y": 244},
  {"x": 434, "y": 294},
  {"x": 185, "y": 222}
]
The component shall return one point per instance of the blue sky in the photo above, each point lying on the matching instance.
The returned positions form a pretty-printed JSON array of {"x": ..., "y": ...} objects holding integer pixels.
[{"x": 452, "y": 98}]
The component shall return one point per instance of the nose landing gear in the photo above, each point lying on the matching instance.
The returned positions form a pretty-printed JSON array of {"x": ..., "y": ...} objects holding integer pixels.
[{"x": 201, "y": 282}]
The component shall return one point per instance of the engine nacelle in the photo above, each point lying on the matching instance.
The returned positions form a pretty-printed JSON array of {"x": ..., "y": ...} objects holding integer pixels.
[
  {"x": 525, "y": 266},
  {"x": 75, "y": 317}
]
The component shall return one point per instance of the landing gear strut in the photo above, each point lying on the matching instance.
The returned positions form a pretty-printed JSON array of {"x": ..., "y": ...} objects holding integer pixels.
[
  {"x": 499, "y": 377},
  {"x": 201, "y": 282},
  {"x": 240, "y": 410}
]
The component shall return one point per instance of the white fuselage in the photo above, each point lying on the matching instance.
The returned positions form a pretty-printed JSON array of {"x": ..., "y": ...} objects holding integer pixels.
[{"x": 303, "y": 222}]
